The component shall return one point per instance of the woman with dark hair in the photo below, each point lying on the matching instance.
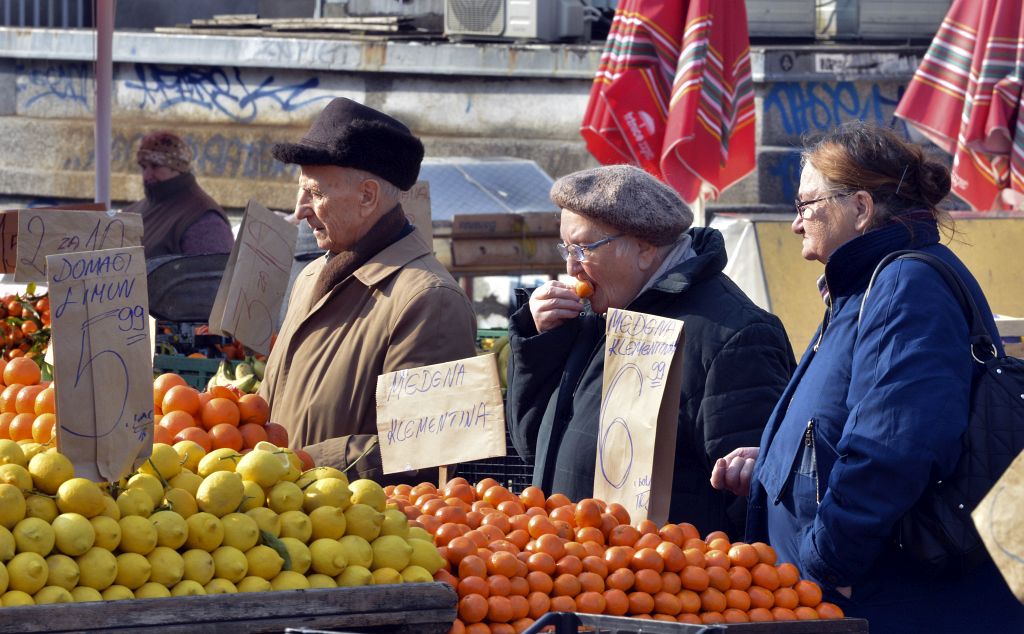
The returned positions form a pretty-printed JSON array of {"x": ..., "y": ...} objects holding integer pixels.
[{"x": 878, "y": 404}]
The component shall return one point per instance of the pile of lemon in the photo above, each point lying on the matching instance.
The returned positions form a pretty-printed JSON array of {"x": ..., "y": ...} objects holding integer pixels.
[{"x": 190, "y": 522}]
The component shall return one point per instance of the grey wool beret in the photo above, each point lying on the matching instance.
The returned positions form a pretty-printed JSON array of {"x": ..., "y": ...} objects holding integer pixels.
[{"x": 627, "y": 199}]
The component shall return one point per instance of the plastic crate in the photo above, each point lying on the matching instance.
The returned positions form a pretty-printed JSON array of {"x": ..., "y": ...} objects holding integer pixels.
[
  {"x": 196, "y": 372},
  {"x": 509, "y": 470}
]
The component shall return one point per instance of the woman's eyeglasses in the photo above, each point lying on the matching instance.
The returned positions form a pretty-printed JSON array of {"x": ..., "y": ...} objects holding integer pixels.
[
  {"x": 802, "y": 205},
  {"x": 579, "y": 251}
]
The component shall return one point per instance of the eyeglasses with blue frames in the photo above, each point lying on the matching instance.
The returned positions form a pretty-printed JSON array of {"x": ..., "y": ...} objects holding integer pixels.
[
  {"x": 802, "y": 205},
  {"x": 579, "y": 251}
]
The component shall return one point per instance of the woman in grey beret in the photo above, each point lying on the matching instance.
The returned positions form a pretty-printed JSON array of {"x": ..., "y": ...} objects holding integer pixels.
[{"x": 628, "y": 236}]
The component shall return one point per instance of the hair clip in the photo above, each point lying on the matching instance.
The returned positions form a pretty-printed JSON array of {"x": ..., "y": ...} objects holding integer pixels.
[{"x": 901, "y": 179}]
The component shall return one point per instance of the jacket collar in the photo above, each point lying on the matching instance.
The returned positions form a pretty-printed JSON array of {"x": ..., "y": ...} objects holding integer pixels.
[
  {"x": 710, "y": 260},
  {"x": 391, "y": 259},
  {"x": 163, "y": 189},
  {"x": 850, "y": 267}
]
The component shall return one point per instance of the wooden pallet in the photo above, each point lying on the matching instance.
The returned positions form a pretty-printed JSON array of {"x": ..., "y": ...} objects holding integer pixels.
[{"x": 423, "y": 608}]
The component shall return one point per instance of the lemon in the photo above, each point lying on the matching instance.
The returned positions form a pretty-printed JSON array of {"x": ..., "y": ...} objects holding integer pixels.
[
  {"x": 240, "y": 531},
  {"x": 13, "y": 598},
  {"x": 117, "y": 593},
  {"x": 357, "y": 550},
  {"x": 385, "y": 576},
  {"x": 285, "y": 496},
  {"x": 30, "y": 448},
  {"x": 420, "y": 533},
  {"x": 220, "y": 586},
  {"x": 230, "y": 563},
  {"x": 354, "y": 576},
  {"x": 395, "y": 523},
  {"x": 63, "y": 572},
  {"x": 135, "y": 502},
  {"x": 181, "y": 502},
  {"x": 253, "y": 496},
  {"x": 81, "y": 496},
  {"x": 294, "y": 465},
  {"x": 425, "y": 555},
  {"x": 187, "y": 588},
  {"x": 296, "y": 524},
  {"x": 73, "y": 534},
  {"x": 327, "y": 521},
  {"x": 223, "y": 459},
  {"x": 17, "y": 475},
  {"x": 49, "y": 471},
  {"x": 35, "y": 506},
  {"x": 28, "y": 572},
  {"x": 318, "y": 473},
  {"x": 168, "y": 567},
  {"x": 318, "y": 580},
  {"x": 298, "y": 555},
  {"x": 328, "y": 557},
  {"x": 171, "y": 529},
  {"x": 205, "y": 531},
  {"x": 266, "y": 519},
  {"x": 186, "y": 480},
  {"x": 164, "y": 462},
  {"x": 137, "y": 535},
  {"x": 33, "y": 535},
  {"x": 7, "y": 546},
  {"x": 198, "y": 566},
  {"x": 288, "y": 580},
  {"x": 132, "y": 570},
  {"x": 12, "y": 505},
  {"x": 254, "y": 584},
  {"x": 364, "y": 521},
  {"x": 98, "y": 568},
  {"x": 152, "y": 590},
  {"x": 390, "y": 551},
  {"x": 264, "y": 562},
  {"x": 11, "y": 453},
  {"x": 110, "y": 508},
  {"x": 85, "y": 594},
  {"x": 368, "y": 492},
  {"x": 262, "y": 467},
  {"x": 326, "y": 492},
  {"x": 189, "y": 454},
  {"x": 416, "y": 574},
  {"x": 220, "y": 493},
  {"x": 150, "y": 484},
  {"x": 53, "y": 594},
  {"x": 107, "y": 531}
]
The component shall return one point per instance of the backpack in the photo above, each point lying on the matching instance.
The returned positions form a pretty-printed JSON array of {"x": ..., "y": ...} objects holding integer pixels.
[{"x": 937, "y": 533}]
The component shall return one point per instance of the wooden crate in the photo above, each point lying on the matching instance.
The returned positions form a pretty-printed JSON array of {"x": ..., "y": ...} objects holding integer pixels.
[{"x": 422, "y": 608}]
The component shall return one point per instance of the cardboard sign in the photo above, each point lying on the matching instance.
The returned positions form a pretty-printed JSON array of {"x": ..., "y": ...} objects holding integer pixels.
[
  {"x": 416, "y": 204},
  {"x": 103, "y": 367},
  {"x": 998, "y": 519},
  {"x": 639, "y": 413},
  {"x": 255, "y": 281},
  {"x": 9, "y": 230},
  {"x": 48, "y": 232},
  {"x": 440, "y": 414}
]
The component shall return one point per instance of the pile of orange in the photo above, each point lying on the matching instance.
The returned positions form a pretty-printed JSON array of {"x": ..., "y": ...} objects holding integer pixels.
[
  {"x": 512, "y": 558},
  {"x": 218, "y": 418},
  {"x": 24, "y": 325},
  {"x": 27, "y": 404}
]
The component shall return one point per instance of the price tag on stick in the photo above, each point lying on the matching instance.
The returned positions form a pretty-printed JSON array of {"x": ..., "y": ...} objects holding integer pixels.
[
  {"x": 639, "y": 413},
  {"x": 43, "y": 233},
  {"x": 9, "y": 230},
  {"x": 440, "y": 414},
  {"x": 103, "y": 366}
]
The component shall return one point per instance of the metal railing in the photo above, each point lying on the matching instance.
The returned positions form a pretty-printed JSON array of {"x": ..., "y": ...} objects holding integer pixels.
[{"x": 47, "y": 13}]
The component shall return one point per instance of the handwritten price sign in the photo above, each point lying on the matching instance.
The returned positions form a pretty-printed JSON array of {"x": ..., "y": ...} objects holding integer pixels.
[
  {"x": 256, "y": 279},
  {"x": 639, "y": 413},
  {"x": 102, "y": 360},
  {"x": 440, "y": 414},
  {"x": 48, "y": 232}
]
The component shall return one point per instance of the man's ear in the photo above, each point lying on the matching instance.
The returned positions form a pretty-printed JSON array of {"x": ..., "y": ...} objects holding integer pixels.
[
  {"x": 647, "y": 256},
  {"x": 369, "y": 196},
  {"x": 865, "y": 211}
]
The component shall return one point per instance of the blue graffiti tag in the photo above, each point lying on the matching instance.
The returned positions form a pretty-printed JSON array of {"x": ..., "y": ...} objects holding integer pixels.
[
  {"x": 64, "y": 82},
  {"x": 818, "y": 107},
  {"x": 216, "y": 89}
]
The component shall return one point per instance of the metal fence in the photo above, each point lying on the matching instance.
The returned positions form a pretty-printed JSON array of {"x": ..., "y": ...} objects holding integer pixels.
[{"x": 64, "y": 14}]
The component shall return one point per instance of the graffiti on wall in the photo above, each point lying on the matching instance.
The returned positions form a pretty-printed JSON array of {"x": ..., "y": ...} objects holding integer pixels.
[
  {"x": 818, "y": 106},
  {"x": 65, "y": 81}
]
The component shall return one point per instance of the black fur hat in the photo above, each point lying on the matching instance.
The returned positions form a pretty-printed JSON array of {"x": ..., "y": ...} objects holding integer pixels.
[{"x": 349, "y": 134}]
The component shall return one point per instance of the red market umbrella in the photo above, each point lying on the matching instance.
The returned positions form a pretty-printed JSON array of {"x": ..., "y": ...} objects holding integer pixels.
[
  {"x": 673, "y": 94},
  {"x": 966, "y": 97}
]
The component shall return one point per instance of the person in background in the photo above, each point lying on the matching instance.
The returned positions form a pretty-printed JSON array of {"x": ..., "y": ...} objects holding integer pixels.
[
  {"x": 878, "y": 404},
  {"x": 377, "y": 301},
  {"x": 178, "y": 217},
  {"x": 629, "y": 236}
]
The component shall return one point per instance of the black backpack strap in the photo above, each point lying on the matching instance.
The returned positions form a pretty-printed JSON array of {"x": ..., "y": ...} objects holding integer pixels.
[{"x": 981, "y": 341}]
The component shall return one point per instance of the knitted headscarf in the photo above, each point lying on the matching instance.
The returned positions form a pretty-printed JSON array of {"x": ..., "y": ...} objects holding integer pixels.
[{"x": 167, "y": 149}]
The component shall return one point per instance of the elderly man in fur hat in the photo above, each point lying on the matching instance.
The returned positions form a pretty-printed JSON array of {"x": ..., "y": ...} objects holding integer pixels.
[
  {"x": 178, "y": 217},
  {"x": 628, "y": 235},
  {"x": 378, "y": 301}
]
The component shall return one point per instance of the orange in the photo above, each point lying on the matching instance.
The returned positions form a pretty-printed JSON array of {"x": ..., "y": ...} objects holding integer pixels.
[
  {"x": 25, "y": 401},
  {"x": 740, "y": 578},
  {"x": 743, "y": 555},
  {"x": 671, "y": 533},
  {"x": 648, "y": 540},
  {"x": 161, "y": 435},
  {"x": 760, "y": 615},
  {"x": 621, "y": 579},
  {"x": 618, "y": 557},
  {"x": 647, "y": 580},
  {"x": 451, "y": 514},
  {"x": 540, "y": 582},
  {"x": 623, "y": 535},
  {"x": 21, "y": 370},
  {"x": 497, "y": 494},
  {"x": 808, "y": 593},
  {"x": 485, "y": 484},
  {"x": 804, "y": 613},
  {"x": 713, "y": 535},
  {"x": 163, "y": 383},
  {"x": 589, "y": 534},
  {"x": 734, "y": 615},
  {"x": 520, "y": 587},
  {"x": 828, "y": 610},
  {"x": 502, "y": 563},
  {"x": 694, "y": 557},
  {"x": 616, "y": 603},
  {"x": 5, "y": 424},
  {"x": 549, "y": 543},
  {"x": 788, "y": 574},
  {"x": 672, "y": 555},
  {"x": 473, "y": 608},
  {"x": 591, "y": 582},
  {"x": 565, "y": 514},
  {"x": 667, "y": 603},
  {"x": 649, "y": 559},
  {"x": 720, "y": 543},
  {"x": 695, "y": 543},
  {"x": 276, "y": 434},
  {"x": 718, "y": 578},
  {"x": 175, "y": 422},
  {"x": 689, "y": 600},
  {"x": 459, "y": 548},
  {"x": 765, "y": 576},
  {"x": 588, "y": 514},
  {"x": 761, "y": 597},
  {"x": 479, "y": 628},
  {"x": 712, "y": 600},
  {"x": 532, "y": 497},
  {"x": 670, "y": 582},
  {"x": 562, "y": 603},
  {"x": 608, "y": 522},
  {"x": 786, "y": 598},
  {"x": 225, "y": 435},
  {"x": 765, "y": 552},
  {"x": 591, "y": 602},
  {"x": 181, "y": 398},
  {"x": 518, "y": 537},
  {"x": 217, "y": 411},
  {"x": 498, "y": 520},
  {"x": 499, "y": 586},
  {"x": 737, "y": 599},
  {"x": 567, "y": 585},
  {"x": 715, "y": 557},
  {"x": 595, "y": 564},
  {"x": 432, "y": 506},
  {"x": 782, "y": 614},
  {"x": 252, "y": 434},
  {"x": 458, "y": 490},
  {"x": 640, "y": 603},
  {"x": 689, "y": 619},
  {"x": 8, "y": 397},
  {"x": 196, "y": 435},
  {"x": 695, "y": 578},
  {"x": 46, "y": 401},
  {"x": 556, "y": 500},
  {"x": 254, "y": 409},
  {"x": 473, "y": 585},
  {"x": 520, "y": 607},
  {"x": 458, "y": 627},
  {"x": 584, "y": 289},
  {"x": 472, "y": 566},
  {"x": 539, "y": 604},
  {"x": 511, "y": 507},
  {"x": 43, "y": 428}
]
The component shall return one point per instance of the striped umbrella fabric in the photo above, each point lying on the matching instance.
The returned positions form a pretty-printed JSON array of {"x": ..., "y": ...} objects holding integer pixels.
[
  {"x": 673, "y": 94},
  {"x": 966, "y": 97}
]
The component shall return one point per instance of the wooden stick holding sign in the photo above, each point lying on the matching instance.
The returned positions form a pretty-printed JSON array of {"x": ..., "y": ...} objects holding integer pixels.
[
  {"x": 48, "y": 232},
  {"x": 256, "y": 279},
  {"x": 639, "y": 413},
  {"x": 440, "y": 414},
  {"x": 103, "y": 367}
]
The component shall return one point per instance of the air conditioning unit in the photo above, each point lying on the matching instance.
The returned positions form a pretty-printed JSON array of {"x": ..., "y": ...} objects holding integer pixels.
[{"x": 536, "y": 20}]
